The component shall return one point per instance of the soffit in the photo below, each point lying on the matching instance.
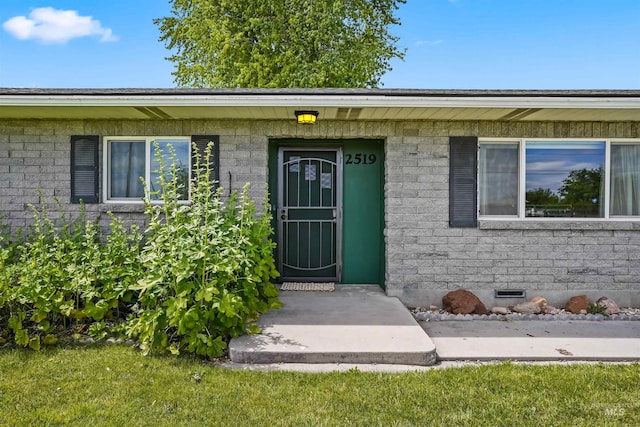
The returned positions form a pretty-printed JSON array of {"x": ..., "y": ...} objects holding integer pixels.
[
  {"x": 327, "y": 113},
  {"x": 333, "y": 104}
]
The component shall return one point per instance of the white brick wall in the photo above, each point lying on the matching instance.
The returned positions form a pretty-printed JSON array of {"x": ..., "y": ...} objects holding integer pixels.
[{"x": 425, "y": 258}]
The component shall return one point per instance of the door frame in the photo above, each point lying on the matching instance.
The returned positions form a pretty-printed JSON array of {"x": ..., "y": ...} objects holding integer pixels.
[
  {"x": 280, "y": 212},
  {"x": 346, "y": 143}
]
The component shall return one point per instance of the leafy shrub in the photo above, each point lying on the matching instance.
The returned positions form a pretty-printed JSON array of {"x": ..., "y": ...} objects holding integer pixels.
[
  {"x": 199, "y": 276},
  {"x": 208, "y": 266},
  {"x": 595, "y": 308},
  {"x": 66, "y": 274},
  {"x": 6, "y": 282}
]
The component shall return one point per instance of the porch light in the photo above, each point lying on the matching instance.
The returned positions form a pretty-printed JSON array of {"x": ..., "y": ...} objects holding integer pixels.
[{"x": 307, "y": 117}]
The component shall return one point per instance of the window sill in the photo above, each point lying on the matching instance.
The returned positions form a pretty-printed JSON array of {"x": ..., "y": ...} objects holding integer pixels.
[
  {"x": 115, "y": 208},
  {"x": 559, "y": 224},
  {"x": 126, "y": 206}
]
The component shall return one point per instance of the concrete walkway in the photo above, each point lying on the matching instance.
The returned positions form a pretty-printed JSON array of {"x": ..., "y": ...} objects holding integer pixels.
[
  {"x": 353, "y": 324},
  {"x": 359, "y": 326},
  {"x": 536, "y": 340}
]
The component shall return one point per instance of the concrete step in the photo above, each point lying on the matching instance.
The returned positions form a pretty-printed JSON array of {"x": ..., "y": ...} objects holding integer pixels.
[{"x": 355, "y": 324}]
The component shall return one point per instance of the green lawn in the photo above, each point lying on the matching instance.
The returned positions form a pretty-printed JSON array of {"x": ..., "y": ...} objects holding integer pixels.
[{"x": 114, "y": 385}]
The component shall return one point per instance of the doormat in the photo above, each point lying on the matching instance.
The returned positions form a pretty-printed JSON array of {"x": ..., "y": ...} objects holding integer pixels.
[{"x": 308, "y": 287}]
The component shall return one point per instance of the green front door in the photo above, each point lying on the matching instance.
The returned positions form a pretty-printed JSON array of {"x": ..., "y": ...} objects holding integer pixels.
[
  {"x": 309, "y": 211},
  {"x": 363, "y": 212},
  {"x": 329, "y": 210}
]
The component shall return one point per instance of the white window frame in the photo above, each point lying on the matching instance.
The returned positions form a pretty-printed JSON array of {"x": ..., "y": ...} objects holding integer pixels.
[
  {"x": 148, "y": 140},
  {"x": 522, "y": 178},
  {"x": 499, "y": 141}
]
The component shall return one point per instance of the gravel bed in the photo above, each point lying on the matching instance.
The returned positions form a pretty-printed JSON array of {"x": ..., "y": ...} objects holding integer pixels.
[{"x": 438, "y": 316}]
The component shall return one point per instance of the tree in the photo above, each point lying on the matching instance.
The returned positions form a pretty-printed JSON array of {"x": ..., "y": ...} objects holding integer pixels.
[
  {"x": 281, "y": 43},
  {"x": 541, "y": 196},
  {"x": 582, "y": 186}
]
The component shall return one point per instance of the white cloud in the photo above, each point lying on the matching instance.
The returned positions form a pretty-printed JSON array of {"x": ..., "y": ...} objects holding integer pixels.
[
  {"x": 551, "y": 174},
  {"x": 560, "y": 166},
  {"x": 428, "y": 42},
  {"x": 50, "y": 25}
]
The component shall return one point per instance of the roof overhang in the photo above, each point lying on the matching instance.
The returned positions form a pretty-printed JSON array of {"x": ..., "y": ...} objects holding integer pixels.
[{"x": 333, "y": 104}]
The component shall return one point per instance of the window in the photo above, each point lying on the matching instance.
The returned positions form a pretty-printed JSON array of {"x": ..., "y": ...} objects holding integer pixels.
[
  {"x": 130, "y": 159},
  {"x": 498, "y": 181},
  {"x": 564, "y": 179},
  {"x": 625, "y": 179},
  {"x": 559, "y": 178}
]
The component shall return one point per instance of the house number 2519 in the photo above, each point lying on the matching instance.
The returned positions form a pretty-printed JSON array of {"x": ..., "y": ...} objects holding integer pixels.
[{"x": 360, "y": 159}]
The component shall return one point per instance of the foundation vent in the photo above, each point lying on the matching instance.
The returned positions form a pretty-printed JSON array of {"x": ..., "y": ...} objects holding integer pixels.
[{"x": 510, "y": 293}]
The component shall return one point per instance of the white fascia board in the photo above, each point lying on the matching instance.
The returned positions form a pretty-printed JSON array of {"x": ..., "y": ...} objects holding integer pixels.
[{"x": 318, "y": 101}]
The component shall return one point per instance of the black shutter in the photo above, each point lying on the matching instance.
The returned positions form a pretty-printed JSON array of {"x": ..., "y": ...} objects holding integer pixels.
[
  {"x": 84, "y": 168},
  {"x": 463, "y": 181},
  {"x": 201, "y": 142}
]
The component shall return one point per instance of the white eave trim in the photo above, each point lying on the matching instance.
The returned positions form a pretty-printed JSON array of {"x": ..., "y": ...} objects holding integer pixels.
[{"x": 335, "y": 101}]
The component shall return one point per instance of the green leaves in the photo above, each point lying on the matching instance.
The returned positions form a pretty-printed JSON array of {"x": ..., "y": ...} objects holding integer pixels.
[
  {"x": 286, "y": 43},
  {"x": 34, "y": 342},
  {"x": 65, "y": 276},
  {"x": 203, "y": 272},
  {"x": 205, "y": 265}
]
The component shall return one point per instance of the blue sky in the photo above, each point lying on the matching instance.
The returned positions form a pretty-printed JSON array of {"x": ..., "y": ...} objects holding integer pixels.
[
  {"x": 451, "y": 44},
  {"x": 548, "y": 164}
]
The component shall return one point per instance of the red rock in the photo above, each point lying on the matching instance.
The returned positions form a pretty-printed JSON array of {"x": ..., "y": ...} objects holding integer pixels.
[
  {"x": 609, "y": 305},
  {"x": 577, "y": 304},
  {"x": 463, "y": 302}
]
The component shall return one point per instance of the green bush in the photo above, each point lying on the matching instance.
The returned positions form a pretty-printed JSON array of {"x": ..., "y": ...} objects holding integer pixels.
[
  {"x": 67, "y": 274},
  {"x": 199, "y": 276},
  {"x": 595, "y": 308},
  {"x": 208, "y": 266},
  {"x": 6, "y": 288}
]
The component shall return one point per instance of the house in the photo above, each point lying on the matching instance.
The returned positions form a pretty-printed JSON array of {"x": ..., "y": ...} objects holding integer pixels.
[{"x": 504, "y": 193}]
